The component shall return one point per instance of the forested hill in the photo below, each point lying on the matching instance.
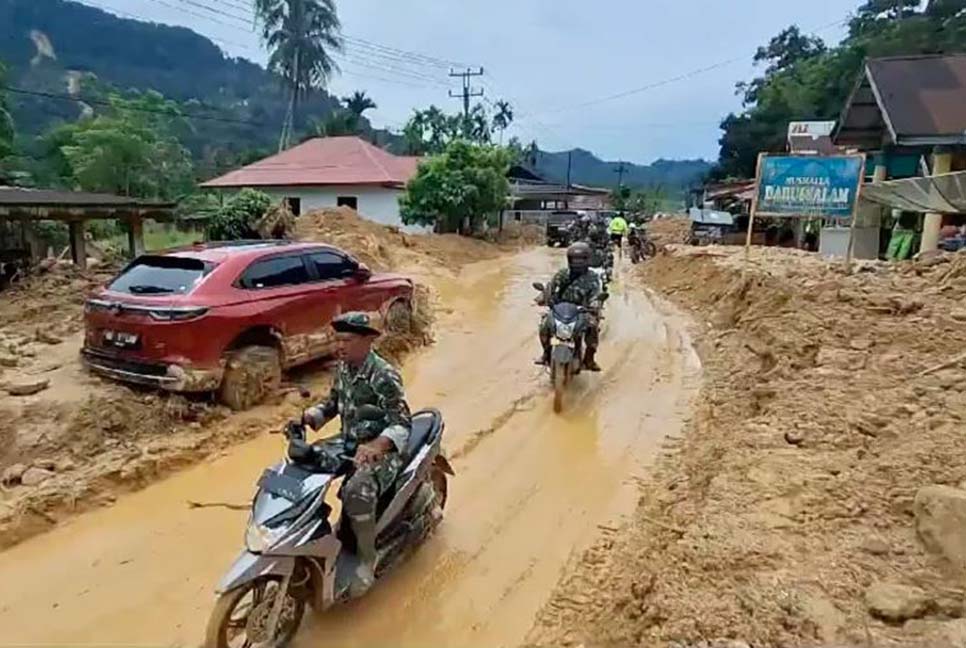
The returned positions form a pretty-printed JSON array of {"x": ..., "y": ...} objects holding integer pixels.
[
  {"x": 588, "y": 169},
  {"x": 59, "y": 47}
]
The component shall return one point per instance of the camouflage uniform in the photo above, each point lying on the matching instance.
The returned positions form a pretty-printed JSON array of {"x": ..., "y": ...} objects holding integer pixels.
[
  {"x": 377, "y": 383},
  {"x": 585, "y": 291}
]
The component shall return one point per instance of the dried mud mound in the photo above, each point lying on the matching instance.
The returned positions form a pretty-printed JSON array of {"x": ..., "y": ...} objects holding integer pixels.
[
  {"x": 669, "y": 231},
  {"x": 382, "y": 247},
  {"x": 52, "y": 297},
  {"x": 786, "y": 516}
]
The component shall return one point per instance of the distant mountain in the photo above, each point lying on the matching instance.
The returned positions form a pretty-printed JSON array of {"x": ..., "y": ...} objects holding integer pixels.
[
  {"x": 60, "y": 47},
  {"x": 588, "y": 169}
]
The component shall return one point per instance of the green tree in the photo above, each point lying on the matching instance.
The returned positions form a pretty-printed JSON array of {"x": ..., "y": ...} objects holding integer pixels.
[
  {"x": 430, "y": 131},
  {"x": 803, "y": 79},
  {"x": 237, "y": 219},
  {"x": 346, "y": 120},
  {"x": 132, "y": 150},
  {"x": 358, "y": 103},
  {"x": 465, "y": 181},
  {"x": 300, "y": 35},
  {"x": 503, "y": 117},
  {"x": 6, "y": 126}
]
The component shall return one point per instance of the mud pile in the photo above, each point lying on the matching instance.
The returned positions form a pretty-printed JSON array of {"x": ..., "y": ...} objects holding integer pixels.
[
  {"x": 669, "y": 231},
  {"x": 787, "y": 515},
  {"x": 64, "y": 459},
  {"x": 61, "y": 456},
  {"x": 53, "y": 297},
  {"x": 382, "y": 247}
]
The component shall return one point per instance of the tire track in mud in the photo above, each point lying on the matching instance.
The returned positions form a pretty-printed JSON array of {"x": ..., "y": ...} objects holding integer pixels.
[{"x": 530, "y": 491}]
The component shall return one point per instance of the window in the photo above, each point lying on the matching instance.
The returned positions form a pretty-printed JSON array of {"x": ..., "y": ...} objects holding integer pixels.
[
  {"x": 281, "y": 271},
  {"x": 329, "y": 265},
  {"x": 347, "y": 201},
  {"x": 160, "y": 275},
  {"x": 294, "y": 205}
]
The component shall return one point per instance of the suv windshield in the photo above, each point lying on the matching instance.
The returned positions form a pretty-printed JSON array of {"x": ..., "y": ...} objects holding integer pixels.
[
  {"x": 559, "y": 218},
  {"x": 160, "y": 275}
]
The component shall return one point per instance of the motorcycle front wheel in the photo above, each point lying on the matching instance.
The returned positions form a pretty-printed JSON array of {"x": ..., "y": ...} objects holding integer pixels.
[
  {"x": 241, "y": 616},
  {"x": 650, "y": 250},
  {"x": 558, "y": 376}
]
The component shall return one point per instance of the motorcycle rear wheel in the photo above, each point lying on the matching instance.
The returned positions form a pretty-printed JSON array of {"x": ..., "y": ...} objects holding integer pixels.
[{"x": 226, "y": 630}]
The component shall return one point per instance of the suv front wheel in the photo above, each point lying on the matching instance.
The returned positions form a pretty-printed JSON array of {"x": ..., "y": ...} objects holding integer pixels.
[{"x": 252, "y": 374}]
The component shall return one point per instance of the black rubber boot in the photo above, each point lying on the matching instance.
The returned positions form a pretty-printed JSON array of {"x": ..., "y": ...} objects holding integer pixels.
[
  {"x": 543, "y": 360},
  {"x": 590, "y": 363},
  {"x": 364, "y": 527}
]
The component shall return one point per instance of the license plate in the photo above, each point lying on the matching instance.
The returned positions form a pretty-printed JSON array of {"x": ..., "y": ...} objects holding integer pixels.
[
  {"x": 120, "y": 339},
  {"x": 281, "y": 485}
]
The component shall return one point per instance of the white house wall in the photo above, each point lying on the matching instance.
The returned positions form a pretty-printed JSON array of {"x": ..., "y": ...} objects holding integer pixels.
[{"x": 379, "y": 204}]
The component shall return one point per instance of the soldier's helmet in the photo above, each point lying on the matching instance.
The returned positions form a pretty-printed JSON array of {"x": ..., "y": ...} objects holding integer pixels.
[{"x": 578, "y": 256}]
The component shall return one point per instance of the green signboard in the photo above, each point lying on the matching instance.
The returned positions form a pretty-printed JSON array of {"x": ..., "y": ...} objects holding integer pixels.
[{"x": 809, "y": 185}]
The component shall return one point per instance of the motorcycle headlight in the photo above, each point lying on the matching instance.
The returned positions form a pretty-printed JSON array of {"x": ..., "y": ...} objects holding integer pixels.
[
  {"x": 565, "y": 331},
  {"x": 259, "y": 538}
]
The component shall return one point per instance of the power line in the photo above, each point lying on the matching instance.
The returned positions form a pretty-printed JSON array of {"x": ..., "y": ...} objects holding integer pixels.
[{"x": 670, "y": 80}]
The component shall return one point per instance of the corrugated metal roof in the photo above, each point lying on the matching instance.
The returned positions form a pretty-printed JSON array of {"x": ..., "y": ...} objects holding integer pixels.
[
  {"x": 324, "y": 161},
  {"x": 919, "y": 100}
]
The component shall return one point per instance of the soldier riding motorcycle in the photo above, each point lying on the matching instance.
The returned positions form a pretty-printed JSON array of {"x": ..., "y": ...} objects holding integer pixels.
[
  {"x": 393, "y": 496},
  {"x": 577, "y": 285}
]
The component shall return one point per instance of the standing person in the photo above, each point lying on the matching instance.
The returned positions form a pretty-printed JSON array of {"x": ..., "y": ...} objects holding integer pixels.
[
  {"x": 363, "y": 377},
  {"x": 617, "y": 229}
]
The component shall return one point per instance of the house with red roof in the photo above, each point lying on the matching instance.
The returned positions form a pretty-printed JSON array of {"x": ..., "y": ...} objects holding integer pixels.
[{"x": 329, "y": 172}]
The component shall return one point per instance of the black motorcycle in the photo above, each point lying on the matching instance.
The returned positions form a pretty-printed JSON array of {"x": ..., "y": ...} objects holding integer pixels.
[{"x": 641, "y": 247}]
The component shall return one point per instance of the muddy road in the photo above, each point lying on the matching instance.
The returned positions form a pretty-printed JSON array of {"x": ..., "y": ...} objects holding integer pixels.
[{"x": 531, "y": 490}]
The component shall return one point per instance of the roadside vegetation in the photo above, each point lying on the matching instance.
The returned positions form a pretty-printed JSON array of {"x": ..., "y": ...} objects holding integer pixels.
[{"x": 804, "y": 79}]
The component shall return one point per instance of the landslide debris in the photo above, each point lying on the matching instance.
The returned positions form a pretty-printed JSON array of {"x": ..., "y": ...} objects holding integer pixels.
[
  {"x": 788, "y": 514},
  {"x": 60, "y": 456}
]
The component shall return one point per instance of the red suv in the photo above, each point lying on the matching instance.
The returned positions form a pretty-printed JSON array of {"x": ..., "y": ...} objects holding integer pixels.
[{"x": 230, "y": 316}]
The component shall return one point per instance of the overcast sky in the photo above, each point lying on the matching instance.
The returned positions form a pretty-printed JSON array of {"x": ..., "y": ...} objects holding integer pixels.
[{"x": 552, "y": 59}]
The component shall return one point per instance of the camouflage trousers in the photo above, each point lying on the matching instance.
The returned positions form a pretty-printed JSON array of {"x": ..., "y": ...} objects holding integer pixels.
[{"x": 365, "y": 485}]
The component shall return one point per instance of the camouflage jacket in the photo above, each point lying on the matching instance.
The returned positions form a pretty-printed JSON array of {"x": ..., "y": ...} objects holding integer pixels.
[
  {"x": 376, "y": 382},
  {"x": 583, "y": 291}
]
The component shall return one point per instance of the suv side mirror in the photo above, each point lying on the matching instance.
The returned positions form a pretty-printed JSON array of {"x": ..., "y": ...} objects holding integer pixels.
[
  {"x": 362, "y": 273},
  {"x": 538, "y": 286}
]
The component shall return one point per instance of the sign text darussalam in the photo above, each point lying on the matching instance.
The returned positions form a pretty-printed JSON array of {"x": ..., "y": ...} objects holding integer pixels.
[{"x": 809, "y": 185}]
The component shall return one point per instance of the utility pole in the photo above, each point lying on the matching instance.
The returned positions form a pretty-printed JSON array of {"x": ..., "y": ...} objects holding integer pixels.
[
  {"x": 570, "y": 159},
  {"x": 467, "y": 91},
  {"x": 621, "y": 168}
]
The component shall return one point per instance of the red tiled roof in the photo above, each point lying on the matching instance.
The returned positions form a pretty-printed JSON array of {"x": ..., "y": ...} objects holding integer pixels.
[{"x": 324, "y": 161}]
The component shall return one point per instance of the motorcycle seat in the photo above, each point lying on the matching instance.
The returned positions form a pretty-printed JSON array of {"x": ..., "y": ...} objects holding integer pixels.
[{"x": 426, "y": 425}]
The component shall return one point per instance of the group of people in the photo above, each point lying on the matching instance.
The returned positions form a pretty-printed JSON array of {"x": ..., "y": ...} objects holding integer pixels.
[
  {"x": 363, "y": 378},
  {"x": 577, "y": 284}
]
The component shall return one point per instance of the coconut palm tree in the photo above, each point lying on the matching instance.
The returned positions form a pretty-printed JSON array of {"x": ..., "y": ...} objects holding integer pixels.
[
  {"x": 359, "y": 102},
  {"x": 503, "y": 117},
  {"x": 300, "y": 36}
]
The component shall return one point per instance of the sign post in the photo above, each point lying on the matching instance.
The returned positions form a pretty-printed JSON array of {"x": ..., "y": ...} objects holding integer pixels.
[
  {"x": 795, "y": 186},
  {"x": 754, "y": 209}
]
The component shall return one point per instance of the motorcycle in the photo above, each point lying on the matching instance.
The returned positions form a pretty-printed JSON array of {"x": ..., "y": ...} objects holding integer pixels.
[
  {"x": 295, "y": 555},
  {"x": 641, "y": 247},
  {"x": 567, "y": 350}
]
